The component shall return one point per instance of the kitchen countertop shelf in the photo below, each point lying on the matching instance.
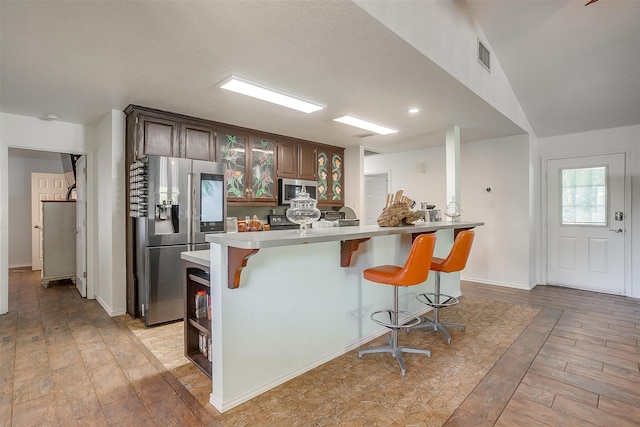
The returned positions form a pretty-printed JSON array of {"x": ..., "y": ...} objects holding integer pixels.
[
  {"x": 276, "y": 238},
  {"x": 241, "y": 246}
]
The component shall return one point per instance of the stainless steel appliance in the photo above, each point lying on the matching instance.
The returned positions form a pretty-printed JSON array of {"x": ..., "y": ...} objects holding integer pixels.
[
  {"x": 332, "y": 215},
  {"x": 290, "y": 188},
  {"x": 58, "y": 241},
  {"x": 176, "y": 202}
]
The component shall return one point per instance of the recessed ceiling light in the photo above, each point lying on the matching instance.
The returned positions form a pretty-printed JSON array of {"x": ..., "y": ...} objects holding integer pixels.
[
  {"x": 363, "y": 124},
  {"x": 50, "y": 117},
  {"x": 255, "y": 90},
  {"x": 414, "y": 110}
]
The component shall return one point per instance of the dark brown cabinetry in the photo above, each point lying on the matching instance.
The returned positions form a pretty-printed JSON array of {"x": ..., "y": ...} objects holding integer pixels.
[
  {"x": 254, "y": 159},
  {"x": 156, "y": 135},
  {"x": 250, "y": 161},
  {"x": 330, "y": 163},
  {"x": 197, "y": 331},
  {"x": 197, "y": 141},
  {"x": 296, "y": 160}
]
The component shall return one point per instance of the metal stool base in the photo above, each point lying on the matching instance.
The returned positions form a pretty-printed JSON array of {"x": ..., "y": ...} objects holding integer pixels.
[
  {"x": 392, "y": 341},
  {"x": 438, "y": 327},
  {"x": 396, "y": 351},
  {"x": 436, "y": 300}
]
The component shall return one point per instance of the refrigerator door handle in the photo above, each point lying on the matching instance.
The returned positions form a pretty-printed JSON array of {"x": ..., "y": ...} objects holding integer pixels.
[{"x": 190, "y": 208}]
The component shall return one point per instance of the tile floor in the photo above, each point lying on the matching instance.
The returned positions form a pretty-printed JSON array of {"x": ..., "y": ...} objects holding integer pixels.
[{"x": 63, "y": 361}]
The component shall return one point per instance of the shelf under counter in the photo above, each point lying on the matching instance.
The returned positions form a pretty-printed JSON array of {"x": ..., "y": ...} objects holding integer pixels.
[{"x": 196, "y": 278}]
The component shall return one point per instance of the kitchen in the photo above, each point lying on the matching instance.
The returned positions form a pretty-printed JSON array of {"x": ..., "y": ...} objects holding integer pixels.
[{"x": 504, "y": 160}]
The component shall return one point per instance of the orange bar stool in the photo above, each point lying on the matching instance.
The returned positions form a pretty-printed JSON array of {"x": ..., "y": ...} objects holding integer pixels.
[
  {"x": 456, "y": 261},
  {"x": 414, "y": 272}
]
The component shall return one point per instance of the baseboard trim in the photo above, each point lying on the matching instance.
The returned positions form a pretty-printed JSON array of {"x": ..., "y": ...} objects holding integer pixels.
[
  {"x": 496, "y": 283},
  {"x": 108, "y": 309}
]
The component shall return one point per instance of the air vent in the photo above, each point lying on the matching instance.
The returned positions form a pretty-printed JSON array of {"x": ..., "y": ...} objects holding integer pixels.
[
  {"x": 484, "y": 56},
  {"x": 364, "y": 135},
  {"x": 370, "y": 153}
]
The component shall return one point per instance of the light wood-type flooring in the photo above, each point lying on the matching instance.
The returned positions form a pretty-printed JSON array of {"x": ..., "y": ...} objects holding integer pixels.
[{"x": 549, "y": 356}]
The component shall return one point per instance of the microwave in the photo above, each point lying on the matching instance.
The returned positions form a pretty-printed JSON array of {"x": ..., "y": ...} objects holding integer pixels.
[{"x": 290, "y": 188}]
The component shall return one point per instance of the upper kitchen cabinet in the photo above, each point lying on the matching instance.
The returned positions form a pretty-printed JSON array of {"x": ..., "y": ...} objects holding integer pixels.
[
  {"x": 250, "y": 166},
  {"x": 157, "y": 132},
  {"x": 296, "y": 160},
  {"x": 155, "y": 135},
  {"x": 197, "y": 141},
  {"x": 330, "y": 163}
]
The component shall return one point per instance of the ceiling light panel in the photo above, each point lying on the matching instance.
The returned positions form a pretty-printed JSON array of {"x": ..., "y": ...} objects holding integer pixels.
[
  {"x": 363, "y": 124},
  {"x": 255, "y": 90}
]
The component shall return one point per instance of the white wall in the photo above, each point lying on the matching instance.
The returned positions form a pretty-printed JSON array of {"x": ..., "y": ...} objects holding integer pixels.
[
  {"x": 104, "y": 145},
  {"x": 109, "y": 134},
  {"x": 21, "y": 164},
  {"x": 405, "y": 172},
  {"x": 354, "y": 179},
  {"x": 501, "y": 249},
  {"x": 622, "y": 139}
]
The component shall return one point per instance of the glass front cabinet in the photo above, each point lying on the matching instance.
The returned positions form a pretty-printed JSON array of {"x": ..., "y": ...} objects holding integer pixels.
[
  {"x": 330, "y": 191},
  {"x": 250, "y": 166}
]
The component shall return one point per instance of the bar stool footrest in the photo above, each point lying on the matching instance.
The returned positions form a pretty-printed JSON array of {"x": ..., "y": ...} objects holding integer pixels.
[
  {"x": 415, "y": 320},
  {"x": 437, "y": 300}
]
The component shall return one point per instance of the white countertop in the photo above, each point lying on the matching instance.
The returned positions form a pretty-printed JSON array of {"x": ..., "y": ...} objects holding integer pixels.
[
  {"x": 197, "y": 257},
  {"x": 276, "y": 238}
]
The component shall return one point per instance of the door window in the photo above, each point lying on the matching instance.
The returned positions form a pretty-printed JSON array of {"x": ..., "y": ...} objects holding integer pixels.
[{"x": 584, "y": 196}]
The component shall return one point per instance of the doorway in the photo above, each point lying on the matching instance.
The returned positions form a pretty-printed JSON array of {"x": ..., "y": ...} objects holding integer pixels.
[
  {"x": 43, "y": 164},
  {"x": 376, "y": 189},
  {"x": 587, "y": 223}
]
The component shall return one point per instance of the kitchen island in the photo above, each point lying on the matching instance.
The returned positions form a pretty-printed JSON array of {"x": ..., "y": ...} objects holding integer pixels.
[{"x": 284, "y": 302}]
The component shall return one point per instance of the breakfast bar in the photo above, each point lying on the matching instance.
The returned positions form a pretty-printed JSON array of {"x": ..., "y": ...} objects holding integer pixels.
[{"x": 283, "y": 302}]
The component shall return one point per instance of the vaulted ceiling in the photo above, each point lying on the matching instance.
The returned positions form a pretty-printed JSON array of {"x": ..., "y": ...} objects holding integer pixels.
[{"x": 572, "y": 68}]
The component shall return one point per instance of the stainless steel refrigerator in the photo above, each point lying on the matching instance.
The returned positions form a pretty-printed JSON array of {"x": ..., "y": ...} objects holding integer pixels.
[{"x": 176, "y": 202}]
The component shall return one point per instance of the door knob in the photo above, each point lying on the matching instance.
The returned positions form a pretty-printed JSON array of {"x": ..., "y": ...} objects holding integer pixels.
[
  {"x": 36, "y": 226},
  {"x": 617, "y": 230}
]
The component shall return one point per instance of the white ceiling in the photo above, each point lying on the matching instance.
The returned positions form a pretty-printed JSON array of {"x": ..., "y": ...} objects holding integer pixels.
[
  {"x": 574, "y": 68},
  {"x": 571, "y": 71}
]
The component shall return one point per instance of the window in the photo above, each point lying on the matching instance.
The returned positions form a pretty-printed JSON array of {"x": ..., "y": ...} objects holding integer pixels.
[{"x": 584, "y": 196}]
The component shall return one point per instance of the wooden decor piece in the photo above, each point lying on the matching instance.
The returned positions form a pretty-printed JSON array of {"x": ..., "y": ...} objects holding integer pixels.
[{"x": 397, "y": 211}]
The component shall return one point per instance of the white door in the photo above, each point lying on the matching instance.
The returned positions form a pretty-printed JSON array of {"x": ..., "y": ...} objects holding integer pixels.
[
  {"x": 81, "y": 225},
  {"x": 586, "y": 223},
  {"x": 44, "y": 186},
  {"x": 376, "y": 188}
]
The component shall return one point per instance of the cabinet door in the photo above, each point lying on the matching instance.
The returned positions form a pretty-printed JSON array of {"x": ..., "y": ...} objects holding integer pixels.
[
  {"x": 287, "y": 159},
  {"x": 157, "y": 136},
  {"x": 197, "y": 141},
  {"x": 322, "y": 191},
  {"x": 262, "y": 169},
  {"x": 232, "y": 149},
  {"x": 307, "y": 162},
  {"x": 337, "y": 178},
  {"x": 330, "y": 177}
]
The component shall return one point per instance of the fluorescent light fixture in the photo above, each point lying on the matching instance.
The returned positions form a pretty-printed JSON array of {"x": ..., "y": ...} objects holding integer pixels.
[
  {"x": 363, "y": 124},
  {"x": 255, "y": 90},
  {"x": 413, "y": 110}
]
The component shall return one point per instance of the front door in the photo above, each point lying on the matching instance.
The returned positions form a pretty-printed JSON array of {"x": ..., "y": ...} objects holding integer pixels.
[
  {"x": 586, "y": 223},
  {"x": 44, "y": 186}
]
